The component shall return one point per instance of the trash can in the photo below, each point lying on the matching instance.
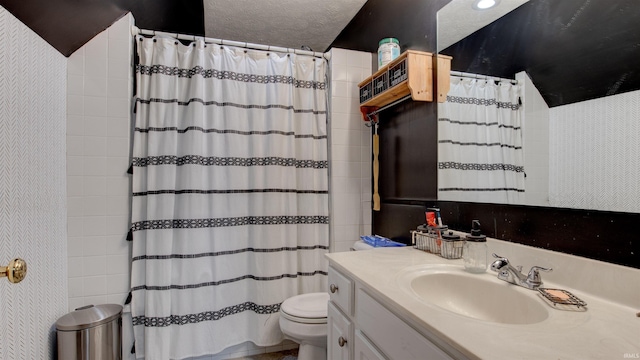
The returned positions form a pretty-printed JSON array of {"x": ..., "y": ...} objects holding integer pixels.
[{"x": 91, "y": 333}]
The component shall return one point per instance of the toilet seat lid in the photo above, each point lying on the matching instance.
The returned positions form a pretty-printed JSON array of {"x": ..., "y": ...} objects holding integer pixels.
[{"x": 307, "y": 306}]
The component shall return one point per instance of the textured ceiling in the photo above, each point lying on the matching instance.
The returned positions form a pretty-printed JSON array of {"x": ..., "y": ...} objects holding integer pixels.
[{"x": 286, "y": 23}]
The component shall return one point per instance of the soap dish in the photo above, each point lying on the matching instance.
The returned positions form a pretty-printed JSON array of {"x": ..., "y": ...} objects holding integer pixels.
[{"x": 562, "y": 299}]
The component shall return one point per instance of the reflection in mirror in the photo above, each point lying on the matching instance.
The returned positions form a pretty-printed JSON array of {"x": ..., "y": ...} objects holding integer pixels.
[{"x": 577, "y": 103}]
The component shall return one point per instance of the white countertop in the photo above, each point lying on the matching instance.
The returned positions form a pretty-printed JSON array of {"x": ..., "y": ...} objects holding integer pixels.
[{"x": 609, "y": 329}]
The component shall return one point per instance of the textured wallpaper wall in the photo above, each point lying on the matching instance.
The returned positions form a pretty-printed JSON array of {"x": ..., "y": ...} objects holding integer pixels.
[
  {"x": 594, "y": 162},
  {"x": 32, "y": 189}
]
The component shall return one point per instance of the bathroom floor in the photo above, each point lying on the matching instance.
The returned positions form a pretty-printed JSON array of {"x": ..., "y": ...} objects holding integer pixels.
[{"x": 280, "y": 355}]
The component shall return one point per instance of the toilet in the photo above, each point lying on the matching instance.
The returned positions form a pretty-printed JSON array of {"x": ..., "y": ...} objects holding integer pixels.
[{"x": 303, "y": 319}]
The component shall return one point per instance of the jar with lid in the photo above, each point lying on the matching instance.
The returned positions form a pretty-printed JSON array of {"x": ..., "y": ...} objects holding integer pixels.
[
  {"x": 451, "y": 246},
  {"x": 474, "y": 251},
  {"x": 388, "y": 49}
]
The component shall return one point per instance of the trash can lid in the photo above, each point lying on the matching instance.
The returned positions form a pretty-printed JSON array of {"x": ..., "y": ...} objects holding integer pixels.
[{"x": 88, "y": 317}]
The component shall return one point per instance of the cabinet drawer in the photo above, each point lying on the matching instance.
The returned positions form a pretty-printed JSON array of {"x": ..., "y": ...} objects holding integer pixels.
[
  {"x": 392, "y": 336},
  {"x": 341, "y": 291},
  {"x": 339, "y": 339}
]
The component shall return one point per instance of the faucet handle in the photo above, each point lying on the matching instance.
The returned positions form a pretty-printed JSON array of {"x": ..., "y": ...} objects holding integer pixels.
[
  {"x": 500, "y": 263},
  {"x": 534, "y": 275}
]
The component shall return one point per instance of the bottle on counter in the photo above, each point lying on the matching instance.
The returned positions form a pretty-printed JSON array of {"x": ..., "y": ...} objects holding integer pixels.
[{"x": 474, "y": 251}]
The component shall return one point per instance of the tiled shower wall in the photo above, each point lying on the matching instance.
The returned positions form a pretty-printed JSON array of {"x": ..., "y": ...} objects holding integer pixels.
[
  {"x": 594, "y": 154},
  {"x": 350, "y": 153},
  {"x": 99, "y": 90},
  {"x": 32, "y": 189}
]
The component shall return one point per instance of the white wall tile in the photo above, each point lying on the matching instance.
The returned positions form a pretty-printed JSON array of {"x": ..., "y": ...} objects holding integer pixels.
[
  {"x": 340, "y": 89},
  {"x": 95, "y": 266},
  {"x": 74, "y": 246},
  {"x": 117, "y": 225},
  {"x": 94, "y": 205},
  {"x": 94, "y": 186},
  {"x": 350, "y": 169},
  {"x": 118, "y": 107},
  {"x": 95, "y": 105},
  {"x": 118, "y": 264},
  {"x": 94, "y": 225},
  {"x": 75, "y": 85},
  {"x": 97, "y": 47},
  {"x": 95, "y": 146},
  {"x": 95, "y": 285},
  {"x": 94, "y": 165},
  {"x": 117, "y": 147},
  {"x": 75, "y": 145},
  {"x": 75, "y": 266},
  {"x": 117, "y": 245},
  {"x": 117, "y": 68},
  {"x": 117, "y": 165},
  {"x": 93, "y": 246},
  {"x": 117, "y": 88},
  {"x": 75, "y": 105},
  {"x": 75, "y": 165},
  {"x": 95, "y": 299},
  {"x": 75, "y": 206},
  {"x": 75, "y": 63},
  {"x": 117, "y": 284},
  {"x": 121, "y": 29},
  {"x": 338, "y": 57},
  {"x": 75, "y": 227},
  {"x": 116, "y": 50},
  {"x": 95, "y": 126},
  {"x": 76, "y": 287},
  {"x": 117, "y": 185},
  {"x": 95, "y": 66},
  {"x": 95, "y": 86},
  {"x": 117, "y": 205}
]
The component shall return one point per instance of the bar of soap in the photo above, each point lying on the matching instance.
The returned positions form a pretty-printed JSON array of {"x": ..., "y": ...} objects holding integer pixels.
[{"x": 557, "y": 294}]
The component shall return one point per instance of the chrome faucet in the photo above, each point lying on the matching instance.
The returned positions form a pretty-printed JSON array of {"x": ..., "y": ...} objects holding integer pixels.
[{"x": 513, "y": 275}]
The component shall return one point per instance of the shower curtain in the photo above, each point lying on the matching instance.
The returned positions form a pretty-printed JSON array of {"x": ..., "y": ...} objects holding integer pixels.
[
  {"x": 480, "y": 156},
  {"x": 230, "y": 194}
]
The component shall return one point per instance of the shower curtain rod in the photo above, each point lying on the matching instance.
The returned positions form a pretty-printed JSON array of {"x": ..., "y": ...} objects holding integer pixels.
[
  {"x": 477, "y": 76},
  {"x": 137, "y": 31}
]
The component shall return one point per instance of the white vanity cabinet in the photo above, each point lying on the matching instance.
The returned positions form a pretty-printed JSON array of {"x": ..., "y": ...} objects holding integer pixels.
[{"x": 361, "y": 328}]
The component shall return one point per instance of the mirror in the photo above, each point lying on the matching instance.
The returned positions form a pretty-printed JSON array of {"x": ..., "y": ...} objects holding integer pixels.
[{"x": 577, "y": 64}]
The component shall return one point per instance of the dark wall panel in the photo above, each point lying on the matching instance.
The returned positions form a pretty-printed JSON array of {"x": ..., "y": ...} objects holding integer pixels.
[
  {"x": 69, "y": 24},
  {"x": 573, "y": 50},
  {"x": 412, "y": 22},
  {"x": 65, "y": 24},
  {"x": 600, "y": 235},
  {"x": 408, "y": 151}
]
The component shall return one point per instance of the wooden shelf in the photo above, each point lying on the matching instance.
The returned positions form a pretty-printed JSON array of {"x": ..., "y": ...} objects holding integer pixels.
[
  {"x": 443, "y": 77},
  {"x": 411, "y": 73}
]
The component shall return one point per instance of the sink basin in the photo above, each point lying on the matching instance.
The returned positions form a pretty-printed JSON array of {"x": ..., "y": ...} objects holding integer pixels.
[{"x": 476, "y": 296}]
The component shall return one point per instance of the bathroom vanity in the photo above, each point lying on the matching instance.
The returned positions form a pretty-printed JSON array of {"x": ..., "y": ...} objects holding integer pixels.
[{"x": 403, "y": 303}]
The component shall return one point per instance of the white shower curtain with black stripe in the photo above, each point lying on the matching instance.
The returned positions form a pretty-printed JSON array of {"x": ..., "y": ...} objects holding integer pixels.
[
  {"x": 480, "y": 156},
  {"x": 230, "y": 194}
]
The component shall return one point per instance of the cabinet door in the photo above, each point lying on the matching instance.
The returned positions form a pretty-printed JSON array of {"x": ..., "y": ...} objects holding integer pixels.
[
  {"x": 363, "y": 348},
  {"x": 391, "y": 334},
  {"x": 339, "y": 339}
]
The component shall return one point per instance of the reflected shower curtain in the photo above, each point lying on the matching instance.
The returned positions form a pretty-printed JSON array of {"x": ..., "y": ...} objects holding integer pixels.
[
  {"x": 230, "y": 194},
  {"x": 480, "y": 156}
]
